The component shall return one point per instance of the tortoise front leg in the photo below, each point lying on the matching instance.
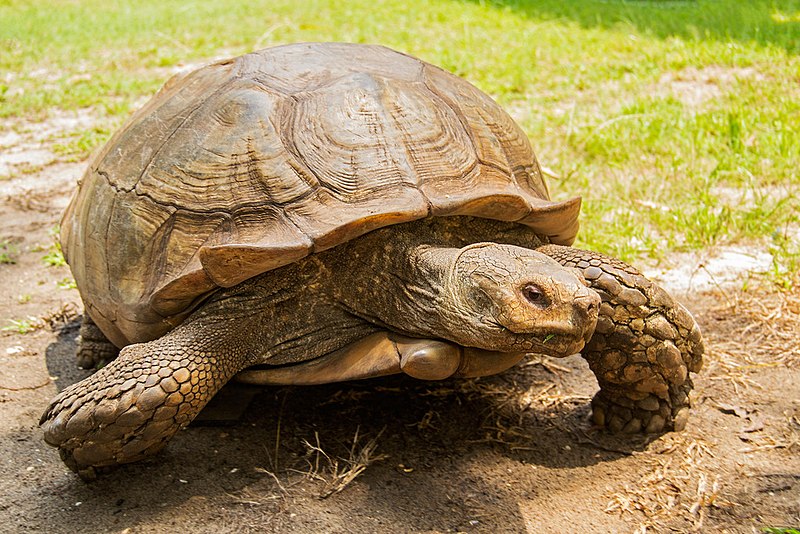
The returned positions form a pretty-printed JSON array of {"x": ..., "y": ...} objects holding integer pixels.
[
  {"x": 130, "y": 409},
  {"x": 643, "y": 349}
]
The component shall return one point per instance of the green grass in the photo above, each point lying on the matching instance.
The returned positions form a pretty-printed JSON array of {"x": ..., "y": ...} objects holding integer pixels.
[
  {"x": 81, "y": 143},
  {"x": 23, "y": 326},
  {"x": 67, "y": 283},
  {"x": 54, "y": 256},
  {"x": 8, "y": 252},
  {"x": 677, "y": 121}
]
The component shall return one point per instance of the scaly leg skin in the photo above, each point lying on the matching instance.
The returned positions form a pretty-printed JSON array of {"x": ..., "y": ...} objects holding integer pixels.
[
  {"x": 643, "y": 349},
  {"x": 94, "y": 348},
  {"x": 130, "y": 409}
]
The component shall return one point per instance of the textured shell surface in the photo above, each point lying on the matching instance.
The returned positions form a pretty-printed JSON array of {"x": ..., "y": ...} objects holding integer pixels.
[{"x": 252, "y": 163}]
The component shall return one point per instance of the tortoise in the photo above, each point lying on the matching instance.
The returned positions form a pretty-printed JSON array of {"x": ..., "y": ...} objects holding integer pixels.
[{"x": 320, "y": 212}]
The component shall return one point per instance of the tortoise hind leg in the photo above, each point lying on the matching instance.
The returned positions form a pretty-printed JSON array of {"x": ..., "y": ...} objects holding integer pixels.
[
  {"x": 643, "y": 348},
  {"x": 94, "y": 348}
]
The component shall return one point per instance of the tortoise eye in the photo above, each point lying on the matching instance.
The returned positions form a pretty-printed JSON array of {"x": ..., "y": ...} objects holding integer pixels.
[{"x": 534, "y": 295}]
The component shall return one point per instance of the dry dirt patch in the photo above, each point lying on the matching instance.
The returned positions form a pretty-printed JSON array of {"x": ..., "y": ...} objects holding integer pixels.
[
  {"x": 694, "y": 87},
  {"x": 27, "y": 147}
]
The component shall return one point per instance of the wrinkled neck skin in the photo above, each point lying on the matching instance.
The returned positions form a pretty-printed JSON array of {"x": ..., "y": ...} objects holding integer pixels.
[
  {"x": 409, "y": 288},
  {"x": 421, "y": 282}
]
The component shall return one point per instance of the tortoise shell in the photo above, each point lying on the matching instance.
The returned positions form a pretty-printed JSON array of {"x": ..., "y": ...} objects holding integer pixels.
[{"x": 252, "y": 163}]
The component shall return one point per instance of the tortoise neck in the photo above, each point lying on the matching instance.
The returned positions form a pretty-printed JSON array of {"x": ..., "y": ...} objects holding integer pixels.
[{"x": 394, "y": 278}]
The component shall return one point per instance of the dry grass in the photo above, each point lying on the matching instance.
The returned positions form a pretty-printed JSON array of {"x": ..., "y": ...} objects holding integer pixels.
[
  {"x": 754, "y": 330},
  {"x": 678, "y": 484},
  {"x": 290, "y": 486},
  {"x": 681, "y": 481},
  {"x": 62, "y": 315},
  {"x": 54, "y": 319},
  {"x": 337, "y": 473},
  {"x": 509, "y": 404},
  {"x": 784, "y": 436}
]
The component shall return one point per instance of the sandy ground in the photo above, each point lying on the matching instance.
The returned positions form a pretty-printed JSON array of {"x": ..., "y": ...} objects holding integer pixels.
[{"x": 512, "y": 453}]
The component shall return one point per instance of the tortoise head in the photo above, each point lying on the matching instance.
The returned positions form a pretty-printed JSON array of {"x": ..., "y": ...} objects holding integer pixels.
[{"x": 512, "y": 299}]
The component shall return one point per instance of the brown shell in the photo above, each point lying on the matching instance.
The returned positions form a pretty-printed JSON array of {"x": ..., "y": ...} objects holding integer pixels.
[{"x": 252, "y": 163}]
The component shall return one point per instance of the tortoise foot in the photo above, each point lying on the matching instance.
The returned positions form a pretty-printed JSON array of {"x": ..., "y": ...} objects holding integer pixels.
[
  {"x": 114, "y": 416},
  {"x": 650, "y": 414},
  {"x": 93, "y": 432},
  {"x": 130, "y": 409},
  {"x": 642, "y": 388},
  {"x": 94, "y": 348}
]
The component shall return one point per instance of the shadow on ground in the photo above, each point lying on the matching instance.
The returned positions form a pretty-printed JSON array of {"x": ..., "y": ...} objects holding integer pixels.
[{"x": 266, "y": 449}]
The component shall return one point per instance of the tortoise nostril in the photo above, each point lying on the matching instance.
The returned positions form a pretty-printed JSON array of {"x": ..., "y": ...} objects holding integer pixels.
[{"x": 588, "y": 303}]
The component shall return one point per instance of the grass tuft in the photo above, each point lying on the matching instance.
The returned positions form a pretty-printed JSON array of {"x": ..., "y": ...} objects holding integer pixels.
[
  {"x": 8, "y": 252},
  {"x": 24, "y": 326},
  {"x": 338, "y": 473},
  {"x": 82, "y": 143},
  {"x": 54, "y": 256},
  {"x": 67, "y": 283}
]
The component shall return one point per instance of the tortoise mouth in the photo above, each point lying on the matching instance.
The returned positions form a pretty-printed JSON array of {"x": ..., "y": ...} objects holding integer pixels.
[
  {"x": 559, "y": 346},
  {"x": 557, "y": 340}
]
